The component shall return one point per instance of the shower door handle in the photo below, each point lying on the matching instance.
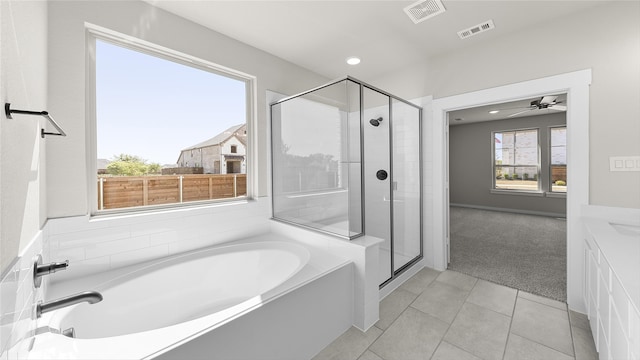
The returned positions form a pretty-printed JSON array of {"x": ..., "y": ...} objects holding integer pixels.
[{"x": 381, "y": 175}]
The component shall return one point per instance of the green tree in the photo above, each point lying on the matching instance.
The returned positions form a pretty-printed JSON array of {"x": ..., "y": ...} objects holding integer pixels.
[{"x": 131, "y": 165}]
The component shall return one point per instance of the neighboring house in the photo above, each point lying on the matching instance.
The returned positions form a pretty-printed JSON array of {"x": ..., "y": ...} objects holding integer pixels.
[
  {"x": 224, "y": 153},
  {"x": 102, "y": 166}
]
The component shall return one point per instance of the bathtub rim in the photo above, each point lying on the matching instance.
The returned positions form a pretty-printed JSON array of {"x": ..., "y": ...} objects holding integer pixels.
[
  {"x": 56, "y": 318},
  {"x": 155, "y": 342}
]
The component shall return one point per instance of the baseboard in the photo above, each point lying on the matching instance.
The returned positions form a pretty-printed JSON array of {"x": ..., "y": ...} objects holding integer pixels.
[{"x": 516, "y": 211}]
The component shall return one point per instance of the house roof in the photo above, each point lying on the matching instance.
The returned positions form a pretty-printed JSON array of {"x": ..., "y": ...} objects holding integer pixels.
[
  {"x": 236, "y": 130},
  {"x": 102, "y": 163}
]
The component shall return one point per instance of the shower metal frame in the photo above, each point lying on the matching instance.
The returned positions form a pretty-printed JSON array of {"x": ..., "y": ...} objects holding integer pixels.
[{"x": 362, "y": 85}]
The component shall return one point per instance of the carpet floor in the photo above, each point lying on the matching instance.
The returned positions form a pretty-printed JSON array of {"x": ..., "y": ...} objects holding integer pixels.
[{"x": 525, "y": 252}]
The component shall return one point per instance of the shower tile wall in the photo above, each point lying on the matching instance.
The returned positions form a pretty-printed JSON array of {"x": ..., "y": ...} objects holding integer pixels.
[
  {"x": 100, "y": 244},
  {"x": 18, "y": 298}
]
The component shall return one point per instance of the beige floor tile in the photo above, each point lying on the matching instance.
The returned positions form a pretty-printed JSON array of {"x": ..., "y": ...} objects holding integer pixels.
[
  {"x": 441, "y": 300},
  {"x": 579, "y": 320},
  {"x": 519, "y": 348},
  {"x": 464, "y": 282},
  {"x": 585, "y": 348},
  {"x": 411, "y": 324},
  {"x": 543, "y": 324},
  {"x": 494, "y": 297},
  {"x": 368, "y": 355},
  {"x": 393, "y": 305},
  {"x": 447, "y": 351},
  {"x": 349, "y": 345},
  {"x": 543, "y": 300},
  {"x": 480, "y": 331},
  {"x": 414, "y": 335},
  {"x": 420, "y": 281}
]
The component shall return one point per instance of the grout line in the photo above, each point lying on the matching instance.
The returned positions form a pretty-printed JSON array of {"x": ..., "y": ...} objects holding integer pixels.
[
  {"x": 513, "y": 313},
  {"x": 452, "y": 321},
  {"x": 573, "y": 342}
]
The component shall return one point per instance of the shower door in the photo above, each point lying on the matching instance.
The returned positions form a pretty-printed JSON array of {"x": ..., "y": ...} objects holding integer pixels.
[
  {"x": 392, "y": 180},
  {"x": 407, "y": 230}
]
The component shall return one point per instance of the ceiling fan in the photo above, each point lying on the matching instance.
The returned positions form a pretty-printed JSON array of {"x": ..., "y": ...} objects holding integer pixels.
[{"x": 545, "y": 102}]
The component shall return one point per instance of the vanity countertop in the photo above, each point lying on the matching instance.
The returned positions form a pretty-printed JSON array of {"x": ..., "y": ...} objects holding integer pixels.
[{"x": 618, "y": 238}]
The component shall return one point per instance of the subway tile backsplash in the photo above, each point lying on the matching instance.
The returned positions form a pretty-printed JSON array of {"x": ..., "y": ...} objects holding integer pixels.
[
  {"x": 102, "y": 243},
  {"x": 18, "y": 298}
]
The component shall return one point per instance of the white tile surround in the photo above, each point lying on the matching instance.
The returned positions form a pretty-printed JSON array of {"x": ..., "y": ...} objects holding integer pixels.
[
  {"x": 17, "y": 302},
  {"x": 101, "y": 243},
  {"x": 98, "y": 244}
]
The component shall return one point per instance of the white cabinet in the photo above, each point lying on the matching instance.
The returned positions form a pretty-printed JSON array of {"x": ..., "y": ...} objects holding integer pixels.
[{"x": 614, "y": 320}]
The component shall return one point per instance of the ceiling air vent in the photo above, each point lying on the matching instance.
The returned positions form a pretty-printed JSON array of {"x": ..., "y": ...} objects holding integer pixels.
[
  {"x": 477, "y": 29},
  {"x": 424, "y": 9}
]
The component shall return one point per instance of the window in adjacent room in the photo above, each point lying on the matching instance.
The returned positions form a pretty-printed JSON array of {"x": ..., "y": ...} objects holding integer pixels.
[
  {"x": 558, "y": 161},
  {"x": 516, "y": 160},
  {"x": 161, "y": 120}
]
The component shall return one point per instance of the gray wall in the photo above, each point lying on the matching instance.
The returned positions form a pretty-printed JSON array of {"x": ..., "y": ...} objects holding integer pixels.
[
  {"x": 605, "y": 38},
  {"x": 471, "y": 171}
]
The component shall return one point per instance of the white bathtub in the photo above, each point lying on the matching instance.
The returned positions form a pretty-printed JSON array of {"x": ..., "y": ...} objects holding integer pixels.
[{"x": 153, "y": 308}]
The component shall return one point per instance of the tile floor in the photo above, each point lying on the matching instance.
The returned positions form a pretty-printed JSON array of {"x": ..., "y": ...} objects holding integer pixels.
[{"x": 449, "y": 315}]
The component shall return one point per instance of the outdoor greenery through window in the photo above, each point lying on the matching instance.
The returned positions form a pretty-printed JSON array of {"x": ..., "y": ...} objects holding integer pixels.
[
  {"x": 166, "y": 132},
  {"x": 516, "y": 160},
  {"x": 558, "y": 162}
]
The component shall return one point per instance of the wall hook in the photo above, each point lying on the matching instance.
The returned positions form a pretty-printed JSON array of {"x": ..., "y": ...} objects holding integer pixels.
[{"x": 8, "y": 111}]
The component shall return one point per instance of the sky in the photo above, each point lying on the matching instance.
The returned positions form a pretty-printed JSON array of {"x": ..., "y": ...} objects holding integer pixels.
[{"x": 153, "y": 108}]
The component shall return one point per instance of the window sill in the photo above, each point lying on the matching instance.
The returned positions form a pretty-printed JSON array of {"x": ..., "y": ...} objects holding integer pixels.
[
  {"x": 518, "y": 192},
  {"x": 191, "y": 208},
  {"x": 556, "y": 195}
]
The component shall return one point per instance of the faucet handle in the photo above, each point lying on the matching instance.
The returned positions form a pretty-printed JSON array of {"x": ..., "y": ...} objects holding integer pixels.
[{"x": 40, "y": 270}]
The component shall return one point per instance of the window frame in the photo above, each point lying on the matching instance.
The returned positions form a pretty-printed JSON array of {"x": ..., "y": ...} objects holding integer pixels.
[
  {"x": 538, "y": 166},
  {"x": 94, "y": 33},
  {"x": 550, "y": 192}
]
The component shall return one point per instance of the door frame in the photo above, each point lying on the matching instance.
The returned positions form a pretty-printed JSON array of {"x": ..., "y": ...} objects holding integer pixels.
[{"x": 576, "y": 86}]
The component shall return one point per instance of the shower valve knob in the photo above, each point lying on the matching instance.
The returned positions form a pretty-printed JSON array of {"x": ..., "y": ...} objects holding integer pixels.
[{"x": 381, "y": 175}]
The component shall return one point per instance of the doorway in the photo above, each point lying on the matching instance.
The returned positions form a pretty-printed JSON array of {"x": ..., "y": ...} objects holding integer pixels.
[
  {"x": 507, "y": 194},
  {"x": 576, "y": 86},
  {"x": 233, "y": 167}
]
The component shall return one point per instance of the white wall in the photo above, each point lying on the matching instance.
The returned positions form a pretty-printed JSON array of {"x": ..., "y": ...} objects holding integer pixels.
[
  {"x": 66, "y": 163},
  {"x": 604, "y": 38},
  {"x": 23, "y": 83}
]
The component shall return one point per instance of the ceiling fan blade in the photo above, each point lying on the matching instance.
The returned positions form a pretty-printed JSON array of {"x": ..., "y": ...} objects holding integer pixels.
[
  {"x": 520, "y": 112},
  {"x": 515, "y": 108},
  {"x": 558, "y": 107},
  {"x": 549, "y": 99}
]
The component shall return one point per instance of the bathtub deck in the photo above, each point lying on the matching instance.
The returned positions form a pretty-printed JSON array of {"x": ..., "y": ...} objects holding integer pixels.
[{"x": 298, "y": 303}]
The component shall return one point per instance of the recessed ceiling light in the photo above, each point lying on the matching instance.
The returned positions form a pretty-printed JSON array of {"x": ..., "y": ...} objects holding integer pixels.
[
  {"x": 353, "y": 60},
  {"x": 494, "y": 111}
]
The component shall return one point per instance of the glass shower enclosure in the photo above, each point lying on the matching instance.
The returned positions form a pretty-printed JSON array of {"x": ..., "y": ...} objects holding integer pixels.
[{"x": 346, "y": 161}]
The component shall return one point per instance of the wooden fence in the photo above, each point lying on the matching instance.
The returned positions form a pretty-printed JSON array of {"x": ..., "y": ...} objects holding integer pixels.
[{"x": 126, "y": 191}]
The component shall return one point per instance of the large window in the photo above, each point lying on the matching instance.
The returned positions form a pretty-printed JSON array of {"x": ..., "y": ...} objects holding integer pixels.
[
  {"x": 516, "y": 160},
  {"x": 164, "y": 127},
  {"x": 558, "y": 161}
]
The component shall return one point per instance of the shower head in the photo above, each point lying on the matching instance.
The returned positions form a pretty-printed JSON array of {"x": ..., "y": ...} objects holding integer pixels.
[{"x": 376, "y": 122}]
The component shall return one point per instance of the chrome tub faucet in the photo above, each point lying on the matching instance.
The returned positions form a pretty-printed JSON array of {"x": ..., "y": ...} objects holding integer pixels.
[{"x": 90, "y": 297}]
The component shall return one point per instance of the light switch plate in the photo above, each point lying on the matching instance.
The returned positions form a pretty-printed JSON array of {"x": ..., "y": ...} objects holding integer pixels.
[{"x": 624, "y": 163}]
